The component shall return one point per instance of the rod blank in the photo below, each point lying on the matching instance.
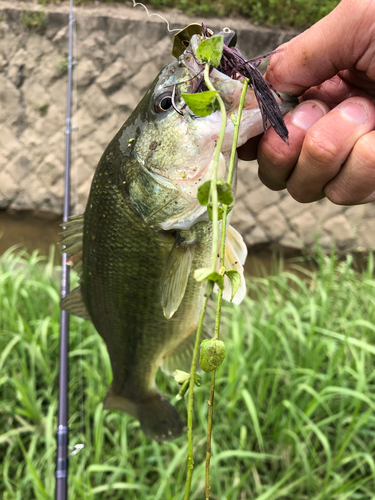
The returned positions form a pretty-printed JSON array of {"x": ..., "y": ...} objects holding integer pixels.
[{"x": 62, "y": 436}]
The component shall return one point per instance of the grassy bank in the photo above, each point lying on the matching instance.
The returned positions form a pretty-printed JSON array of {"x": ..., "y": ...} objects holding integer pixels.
[
  {"x": 296, "y": 13},
  {"x": 295, "y": 399}
]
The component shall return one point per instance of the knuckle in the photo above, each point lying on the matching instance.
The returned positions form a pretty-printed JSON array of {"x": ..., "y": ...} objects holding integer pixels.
[
  {"x": 337, "y": 196},
  {"x": 324, "y": 149},
  {"x": 275, "y": 154},
  {"x": 273, "y": 184},
  {"x": 365, "y": 151},
  {"x": 297, "y": 194}
]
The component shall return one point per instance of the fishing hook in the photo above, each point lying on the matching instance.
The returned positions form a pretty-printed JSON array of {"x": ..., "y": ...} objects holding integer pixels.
[{"x": 174, "y": 103}]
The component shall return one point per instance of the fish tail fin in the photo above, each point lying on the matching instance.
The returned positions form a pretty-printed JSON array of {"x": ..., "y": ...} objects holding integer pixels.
[{"x": 158, "y": 418}]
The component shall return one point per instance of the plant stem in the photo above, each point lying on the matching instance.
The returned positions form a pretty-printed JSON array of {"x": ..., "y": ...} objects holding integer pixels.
[
  {"x": 215, "y": 241},
  {"x": 236, "y": 131},
  {"x": 215, "y": 163},
  {"x": 209, "y": 434},
  {"x": 220, "y": 294},
  {"x": 190, "y": 460}
]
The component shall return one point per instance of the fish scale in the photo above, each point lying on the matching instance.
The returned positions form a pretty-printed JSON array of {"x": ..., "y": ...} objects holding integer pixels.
[
  {"x": 143, "y": 234},
  {"x": 122, "y": 272}
]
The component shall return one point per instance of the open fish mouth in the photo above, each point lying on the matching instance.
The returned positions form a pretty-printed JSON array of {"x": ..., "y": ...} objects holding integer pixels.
[{"x": 233, "y": 67}]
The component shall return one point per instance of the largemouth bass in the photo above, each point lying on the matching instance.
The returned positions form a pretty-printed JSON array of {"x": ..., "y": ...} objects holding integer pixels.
[{"x": 143, "y": 234}]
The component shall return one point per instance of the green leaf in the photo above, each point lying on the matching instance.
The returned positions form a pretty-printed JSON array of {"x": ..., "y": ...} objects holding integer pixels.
[
  {"x": 204, "y": 193},
  {"x": 235, "y": 279},
  {"x": 209, "y": 212},
  {"x": 202, "y": 103},
  {"x": 210, "y": 50},
  {"x": 202, "y": 273},
  {"x": 205, "y": 274},
  {"x": 224, "y": 192},
  {"x": 220, "y": 212},
  {"x": 181, "y": 376}
]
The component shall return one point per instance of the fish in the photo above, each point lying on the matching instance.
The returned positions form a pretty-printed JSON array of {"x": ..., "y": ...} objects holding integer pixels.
[{"x": 144, "y": 233}]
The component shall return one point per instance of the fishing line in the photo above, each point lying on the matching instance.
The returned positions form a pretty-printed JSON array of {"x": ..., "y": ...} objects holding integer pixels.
[
  {"x": 153, "y": 14},
  {"x": 75, "y": 203},
  {"x": 78, "y": 447}
]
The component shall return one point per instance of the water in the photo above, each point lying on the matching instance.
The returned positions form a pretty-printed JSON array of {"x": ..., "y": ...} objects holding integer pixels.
[
  {"x": 29, "y": 231},
  {"x": 40, "y": 232}
]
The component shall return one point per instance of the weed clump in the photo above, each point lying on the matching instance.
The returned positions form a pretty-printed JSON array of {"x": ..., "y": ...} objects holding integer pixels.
[{"x": 36, "y": 21}]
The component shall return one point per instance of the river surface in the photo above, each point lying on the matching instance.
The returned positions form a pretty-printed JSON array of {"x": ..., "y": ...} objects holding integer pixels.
[
  {"x": 28, "y": 231},
  {"x": 40, "y": 232}
]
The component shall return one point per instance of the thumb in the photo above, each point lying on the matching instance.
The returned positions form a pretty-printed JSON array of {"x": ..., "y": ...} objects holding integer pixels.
[{"x": 339, "y": 41}]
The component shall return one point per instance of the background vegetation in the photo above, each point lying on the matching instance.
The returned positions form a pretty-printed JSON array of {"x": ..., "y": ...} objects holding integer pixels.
[
  {"x": 297, "y": 13},
  {"x": 294, "y": 404}
]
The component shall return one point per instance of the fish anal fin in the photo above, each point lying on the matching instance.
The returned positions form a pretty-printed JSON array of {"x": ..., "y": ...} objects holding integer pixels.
[
  {"x": 74, "y": 304},
  {"x": 180, "y": 357},
  {"x": 158, "y": 418},
  {"x": 115, "y": 402},
  {"x": 175, "y": 276}
]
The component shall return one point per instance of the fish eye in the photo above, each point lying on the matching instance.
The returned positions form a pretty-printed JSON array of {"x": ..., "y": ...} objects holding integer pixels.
[{"x": 163, "y": 102}]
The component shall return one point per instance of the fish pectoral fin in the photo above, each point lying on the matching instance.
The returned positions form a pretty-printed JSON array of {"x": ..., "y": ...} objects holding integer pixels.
[
  {"x": 175, "y": 275},
  {"x": 72, "y": 239},
  {"x": 180, "y": 357},
  {"x": 235, "y": 256},
  {"x": 158, "y": 418},
  {"x": 74, "y": 304}
]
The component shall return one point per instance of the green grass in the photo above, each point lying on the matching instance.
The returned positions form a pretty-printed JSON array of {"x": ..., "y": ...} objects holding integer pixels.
[
  {"x": 294, "y": 404},
  {"x": 297, "y": 13},
  {"x": 34, "y": 20}
]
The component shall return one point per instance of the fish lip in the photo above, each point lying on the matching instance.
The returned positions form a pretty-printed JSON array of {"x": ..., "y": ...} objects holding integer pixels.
[{"x": 289, "y": 98}]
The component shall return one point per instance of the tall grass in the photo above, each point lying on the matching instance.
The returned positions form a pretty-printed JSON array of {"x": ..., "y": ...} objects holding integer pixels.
[{"x": 294, "y": 405}]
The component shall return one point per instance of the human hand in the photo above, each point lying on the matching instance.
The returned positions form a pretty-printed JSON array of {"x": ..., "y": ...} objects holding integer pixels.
[{"x": 331, "y": 148}]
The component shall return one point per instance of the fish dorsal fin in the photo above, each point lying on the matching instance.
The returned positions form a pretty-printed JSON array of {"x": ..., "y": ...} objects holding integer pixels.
[
  {"x": 235, "y": 256},
  {"x": 74, "y": 304},
  {"x": 72, "y": 238},
  {"x": 180, "y": 357},
  {"x": 175, "y": 275}
]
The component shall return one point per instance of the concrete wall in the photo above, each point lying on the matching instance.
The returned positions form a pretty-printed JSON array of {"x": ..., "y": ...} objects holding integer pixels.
[{"x": 119, "y": 51}]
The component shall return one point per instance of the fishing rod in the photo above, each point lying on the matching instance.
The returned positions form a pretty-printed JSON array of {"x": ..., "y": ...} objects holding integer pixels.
[{"x": 62, "y": 437}]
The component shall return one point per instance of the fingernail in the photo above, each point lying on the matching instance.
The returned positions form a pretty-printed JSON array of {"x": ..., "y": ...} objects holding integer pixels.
[
  {"x": 306, "y": 114},
  {"x": 353, "y": 111}
]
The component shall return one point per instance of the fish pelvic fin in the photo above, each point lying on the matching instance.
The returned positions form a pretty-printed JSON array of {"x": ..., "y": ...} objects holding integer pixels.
[
  {"x": 72, "y": 240},
  {"x": 235, "y": 256},
  {"x": 175, "y": 276},
  {"x": 158, "y": 418},
  {"x": 74, "y": 304}
]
